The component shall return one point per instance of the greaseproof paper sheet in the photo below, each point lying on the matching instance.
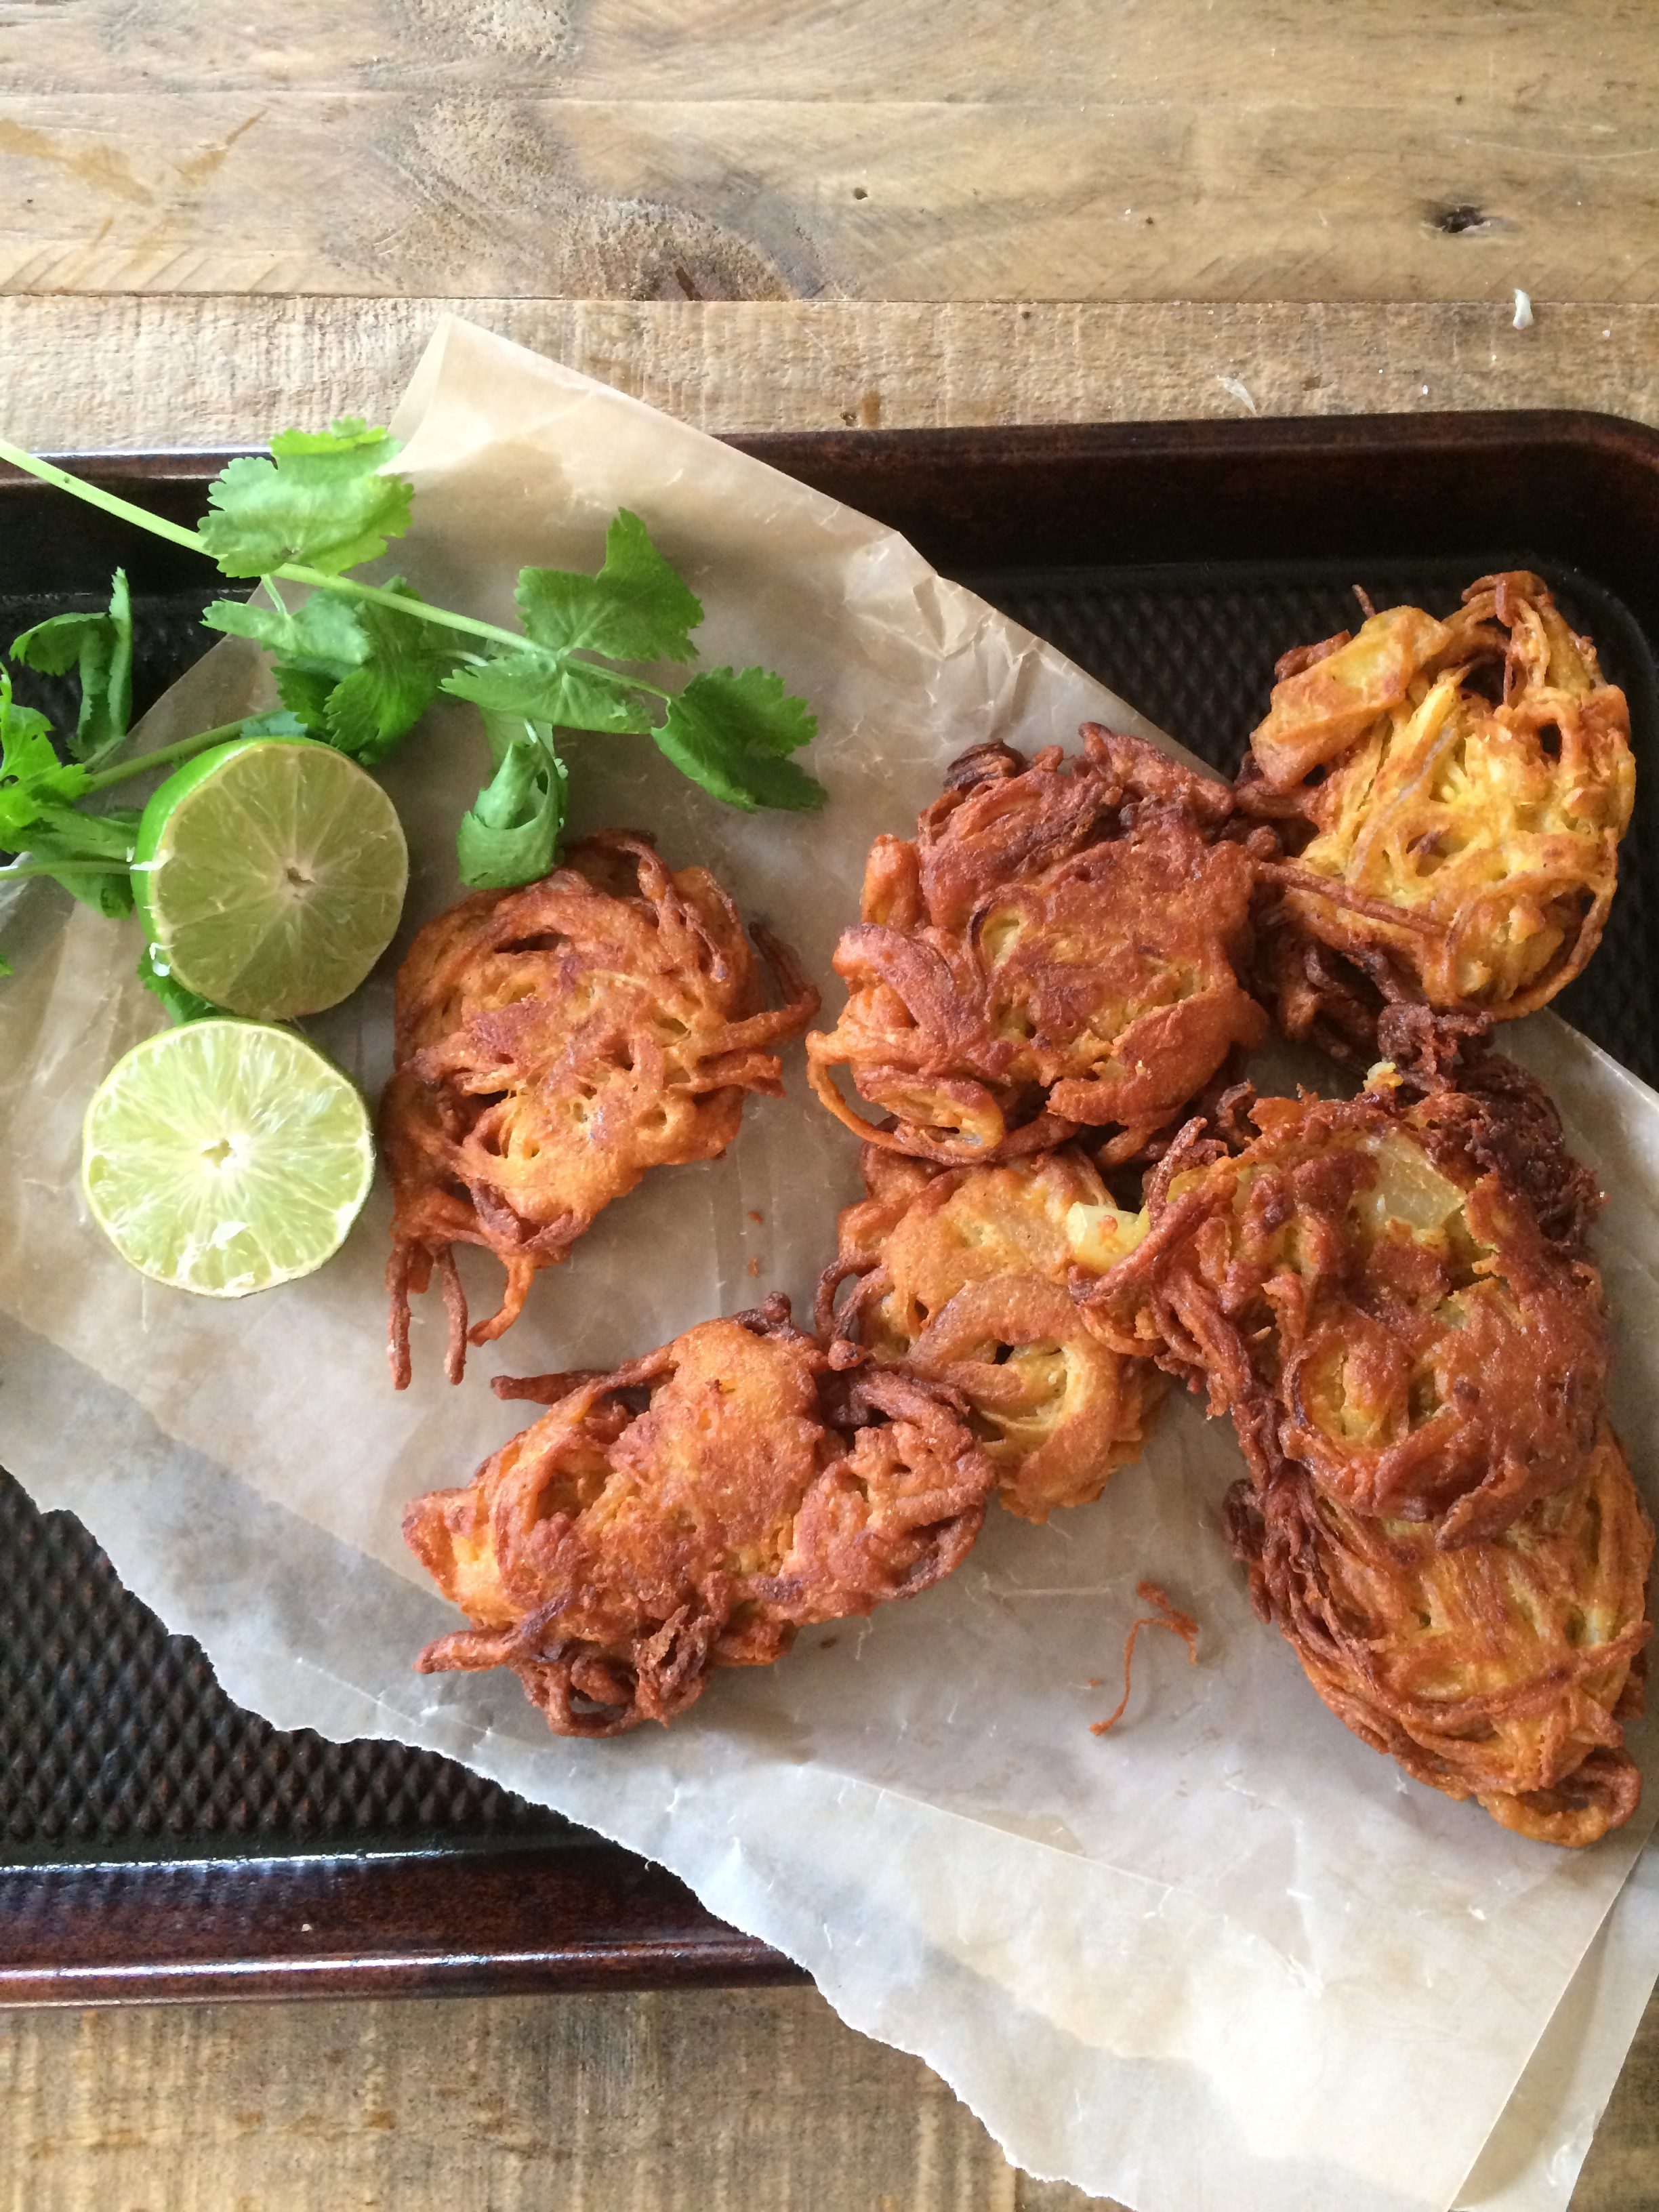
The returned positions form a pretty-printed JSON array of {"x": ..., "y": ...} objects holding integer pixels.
[{"x": 1226, "y": 1959}]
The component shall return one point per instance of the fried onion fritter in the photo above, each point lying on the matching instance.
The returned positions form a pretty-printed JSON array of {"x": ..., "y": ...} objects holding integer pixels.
[
  {"x": 1501, "y": 1669},
  {"x": 553, "y": 1045},
  {"x": 961, "y": 1274},
  {"x": 1054, "y": 950},
  {"x": 1367, "y": 1289},
  {"x": 1451, "y": 795},
  {"x": 692, "y": 1510},
  {"x": 1392, "y": 1297}
]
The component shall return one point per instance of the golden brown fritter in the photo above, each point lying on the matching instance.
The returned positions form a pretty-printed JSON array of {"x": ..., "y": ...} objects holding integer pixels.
[
  {"x": 1392, "y": 1297},
  {"x": 1369, "y": 1288},
  {"x": 553, "y": 1045},
  {"x": 961, "y": 1274},
  {"x": 1055, "y": 951},
  {"x": 693, "y": 1510},
  {"x": 1451, "y": 796},
  {"x": 1502, "y": 1669}
]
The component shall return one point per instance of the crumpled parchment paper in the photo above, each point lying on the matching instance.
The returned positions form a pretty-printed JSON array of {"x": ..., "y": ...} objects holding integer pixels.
[{"x": 1226, "y": 1957}]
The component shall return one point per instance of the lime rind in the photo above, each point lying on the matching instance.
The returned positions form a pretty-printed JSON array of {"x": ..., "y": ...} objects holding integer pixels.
[{"x": 225, "y": 1156}]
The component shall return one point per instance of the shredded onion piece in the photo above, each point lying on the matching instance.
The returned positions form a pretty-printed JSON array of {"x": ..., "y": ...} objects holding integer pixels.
[{"x": 1168, "y": 1615}]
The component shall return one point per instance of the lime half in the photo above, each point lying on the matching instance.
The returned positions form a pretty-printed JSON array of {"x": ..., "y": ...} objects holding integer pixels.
[
  {"x": 270, "y": 874},
  {"x": 225, "y": 1157}
]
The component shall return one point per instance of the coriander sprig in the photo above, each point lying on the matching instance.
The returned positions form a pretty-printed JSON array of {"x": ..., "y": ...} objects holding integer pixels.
[
  {"x": 357, "y": 664},
  {"x": 40, "y": 809}
]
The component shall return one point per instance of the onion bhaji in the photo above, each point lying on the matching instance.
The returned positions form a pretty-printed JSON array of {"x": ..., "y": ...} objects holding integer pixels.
[
  {"x": 692, "y": 1510},
  {"x": 1392, "y": 1297},
  {"x": 553, "y": 1045},
  {"x": 1055, "y": 951},
  {"x": 961, "y": 1274},
  {"x": 1382, "y": 1291},
  {"x": 1451, "y": 796},
  {"x": 1502, "y": 1669}
]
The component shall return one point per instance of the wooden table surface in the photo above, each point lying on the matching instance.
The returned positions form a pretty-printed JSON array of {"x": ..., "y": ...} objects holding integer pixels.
[{"x": 759, "y": 213}]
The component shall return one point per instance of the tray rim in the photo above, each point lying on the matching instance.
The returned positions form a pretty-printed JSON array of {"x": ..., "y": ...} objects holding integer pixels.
[
  {"x": 1360, "y": 432},
  {"x": 580, "y": 1916}
]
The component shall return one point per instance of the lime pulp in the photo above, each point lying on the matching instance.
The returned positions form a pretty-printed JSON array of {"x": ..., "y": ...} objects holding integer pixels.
[
  {"x": 270, "y": 874},
  {"x": 225, "y": 1157}
]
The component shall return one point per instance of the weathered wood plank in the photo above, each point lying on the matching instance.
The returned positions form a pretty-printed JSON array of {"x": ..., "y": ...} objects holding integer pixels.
[
  {"x": 690, "y": 2103},
  {"x": 654, "y": 2104},
  {"x": 136, "y": 372},
  {"x": 632, "y": 155},
  {"x": 1621, "y": 2173},
  {"x": 1524, "y": 56}
]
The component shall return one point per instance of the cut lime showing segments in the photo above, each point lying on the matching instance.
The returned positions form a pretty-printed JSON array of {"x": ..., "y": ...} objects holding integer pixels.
[
  {"x": 225, "y": 1157},
  {"x": 270, "y": 874}
]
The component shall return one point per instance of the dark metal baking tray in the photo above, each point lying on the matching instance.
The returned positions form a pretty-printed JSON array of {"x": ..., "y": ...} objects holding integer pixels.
[{"x": 155, "y": 1840}]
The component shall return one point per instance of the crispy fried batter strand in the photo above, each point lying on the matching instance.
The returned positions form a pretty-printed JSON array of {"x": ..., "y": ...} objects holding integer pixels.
[
  {"x": 1451, "y": 796},
  {"x": 554, "y": 1043},
  {"x": 692, "y": 1510},
  {"x": 1055, "y": 952},
  {"x": 1502, "y": 1669},
  {"x": 961, "y": 1274},
  {"x": 1367, "y": 1292},
  {"x": 1168, "y": 1615}
]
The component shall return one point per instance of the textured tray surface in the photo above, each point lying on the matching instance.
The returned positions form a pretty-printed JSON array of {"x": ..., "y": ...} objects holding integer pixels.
[{"x": 116, "y": 1742}]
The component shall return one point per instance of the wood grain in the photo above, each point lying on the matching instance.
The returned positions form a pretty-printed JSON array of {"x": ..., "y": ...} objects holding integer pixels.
[
  {"x": 1620, "y": 2174},
  {"x": 1533, "y": 55},
  {"x": 725, "y": 149},
  {"x": 136, "y": 374},
  {"x": 684, "y": 2103},
  {"x": 662, "y": 2104}
]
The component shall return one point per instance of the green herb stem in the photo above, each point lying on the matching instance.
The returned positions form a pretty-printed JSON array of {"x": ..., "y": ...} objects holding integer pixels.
[
  {"x": 624, "y": 681},
  {"x": 164, "y": 756},
  {"x": 62, "y": 480},
  {"x": 85, "y": 867},
  {"x": 292, "y": 572}
]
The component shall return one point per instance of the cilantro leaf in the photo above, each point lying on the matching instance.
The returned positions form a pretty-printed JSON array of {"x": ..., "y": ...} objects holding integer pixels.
[
  {"x": 278, "y": 723},
  {"x": 550, "y": 687},
  {"x": 402, "y": 671},
  {"x": 89, "y": 854},
  {"x": 360, "y": 677},
  {"x": 321, "y": 630},
  {"x": 757, "y": 712},
  {"x": 729, "y": 732},
  {"x": 99, "y": 647},
  {"x": 156, "y": 976},
  {"x": 305, "y": 694},
  {"x": 637, "y": 608},
  {"x": 319, "y": 501},
  {"x": 512, "y": 833},
  {"x": 53, "y": 646},
  {"x": 316, "y": 644},
  {"x": 32, "y": 779}
]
